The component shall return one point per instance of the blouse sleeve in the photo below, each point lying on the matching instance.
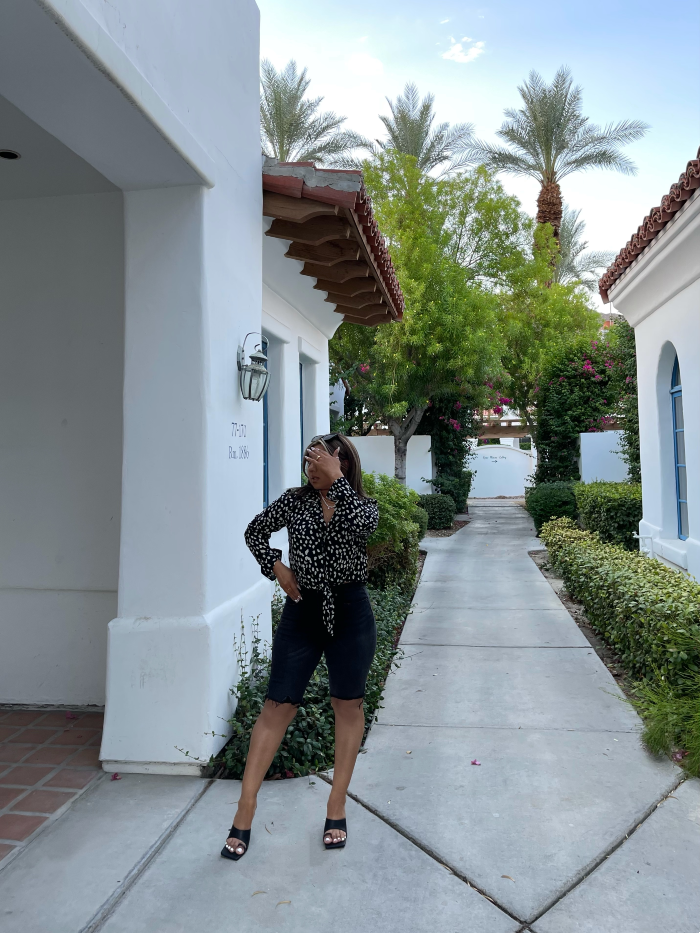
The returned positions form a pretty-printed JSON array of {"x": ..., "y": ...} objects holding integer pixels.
[
  {"x": 257, "y": 534},
  {"x": 362, "y": 514}
]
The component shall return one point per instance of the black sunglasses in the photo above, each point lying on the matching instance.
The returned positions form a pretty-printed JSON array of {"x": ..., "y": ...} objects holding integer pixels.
[{"x": 322, "y": 437}]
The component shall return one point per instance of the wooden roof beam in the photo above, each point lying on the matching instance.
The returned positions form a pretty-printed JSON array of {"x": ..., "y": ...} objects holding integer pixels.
[
  {"x": 312, "y": 232},
  {"x": 296, "y": 210},
  {"x": 326, "y": 254},
  {"x": 340, "y": 272},
  {"x": 351, "y": 287},
  {"x": 363, "y": 300}
]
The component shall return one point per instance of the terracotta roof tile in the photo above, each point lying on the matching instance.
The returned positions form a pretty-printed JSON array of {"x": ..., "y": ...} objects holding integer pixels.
[
  {"x": 343, "y": 188},
  {"x": 653, "y": 223}
]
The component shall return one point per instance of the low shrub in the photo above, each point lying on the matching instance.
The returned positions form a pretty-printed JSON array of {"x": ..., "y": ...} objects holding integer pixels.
[
  {"x": 392, "y": 549},
  {"x": 309, "y": 742},
  {"x": 455, "y": 485},
  {"x": 550, "y": 500},
  {"x": 671, "y": 717},
  {"x": 441, "y": 509},
  {"x": 648, "y": 612},
  {"x": 420, "y": 517},
  {"x": 614, "y": 510}
]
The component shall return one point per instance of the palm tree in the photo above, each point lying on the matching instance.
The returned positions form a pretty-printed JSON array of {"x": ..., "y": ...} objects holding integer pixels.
[
  {"x": 548, "y": 138},
  {"x": 291, "y": 128},
  {"x": 410, "y": 131},
  {"x": 573, "y": 263}
]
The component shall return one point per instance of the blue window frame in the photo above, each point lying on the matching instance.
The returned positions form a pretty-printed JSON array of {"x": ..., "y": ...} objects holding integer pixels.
[
  {"x": 301, "y": 409},
  {"x": 266, "y": 438},
  {"x": 679, "y": 451}
]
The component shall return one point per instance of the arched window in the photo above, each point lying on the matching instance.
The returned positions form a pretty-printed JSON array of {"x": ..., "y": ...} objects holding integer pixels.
[{"x": 679, "y": 451}]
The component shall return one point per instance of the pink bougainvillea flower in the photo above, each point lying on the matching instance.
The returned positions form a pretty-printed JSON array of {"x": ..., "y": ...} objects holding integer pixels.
[
  {"x": 364, "y": 367},
  {"x": 475, "y": 762},
  {"x": 458, "y": 405},
  {"x": 497, "y": 410},
  {"x": 116, "y": 776},
  {"x": 489, "y": 384},
  {"x": 679, "y": 755}
]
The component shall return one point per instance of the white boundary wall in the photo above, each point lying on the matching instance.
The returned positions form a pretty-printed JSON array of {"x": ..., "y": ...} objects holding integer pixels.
[
  {"x": 501, "y": 470},
  {"x": 377, "y": 456},
  {"x": 600, "y": 457}
]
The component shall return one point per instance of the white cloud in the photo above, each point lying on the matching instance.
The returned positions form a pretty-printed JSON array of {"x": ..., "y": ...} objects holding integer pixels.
[
  {"x": 457, "y": 54},
  {"x": 363, "y": 39},
  {"x": 443, "y": 21},
  {"x": 362, "y": 63},
  {"x": 465, "y": 39}
]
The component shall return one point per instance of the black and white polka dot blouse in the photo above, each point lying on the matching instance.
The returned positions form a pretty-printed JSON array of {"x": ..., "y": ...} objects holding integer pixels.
[{"x": 321, "y": 554}]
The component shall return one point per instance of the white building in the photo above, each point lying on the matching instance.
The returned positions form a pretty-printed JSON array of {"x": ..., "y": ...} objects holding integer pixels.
[
  {"x": 655, "y": 283},
  {"x": 131, "y": 270}
]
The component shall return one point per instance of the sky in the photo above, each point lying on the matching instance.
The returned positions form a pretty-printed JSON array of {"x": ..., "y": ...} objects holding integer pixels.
[{"x": 634, "y": 60}]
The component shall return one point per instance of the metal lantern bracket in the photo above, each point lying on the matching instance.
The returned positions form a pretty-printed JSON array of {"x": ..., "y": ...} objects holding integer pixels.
[{"x": 254, "y": 376}]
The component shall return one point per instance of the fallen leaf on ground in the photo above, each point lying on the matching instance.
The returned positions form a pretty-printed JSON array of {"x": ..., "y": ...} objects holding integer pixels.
[
  {"x": 509, "y": 878},
  {"x": 282, "y": 902},
  {"x": 116, "y": 776},
  {"x": 258, "y": 892},
  {"x": 475, "y": 762},
  {"x": 408, "y": 753},
  {"x": 267, "y": 829}
]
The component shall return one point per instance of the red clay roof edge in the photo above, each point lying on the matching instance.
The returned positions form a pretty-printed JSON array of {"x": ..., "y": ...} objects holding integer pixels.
[
  {"x": 352, "y": 196},
  {"x": 653, "y": 223}
]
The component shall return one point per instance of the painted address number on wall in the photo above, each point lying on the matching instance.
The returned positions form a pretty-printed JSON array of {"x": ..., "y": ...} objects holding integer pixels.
[{"x": 241, "y": 452}]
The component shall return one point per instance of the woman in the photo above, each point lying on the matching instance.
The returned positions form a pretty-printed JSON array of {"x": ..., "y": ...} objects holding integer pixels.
[{"x": 327, "y": 610}]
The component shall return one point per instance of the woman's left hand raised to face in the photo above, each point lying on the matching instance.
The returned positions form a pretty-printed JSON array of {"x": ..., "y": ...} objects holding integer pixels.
[{"x": 325, "y": 467}]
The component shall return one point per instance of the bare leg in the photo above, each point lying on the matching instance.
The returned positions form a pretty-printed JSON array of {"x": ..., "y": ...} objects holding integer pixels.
[
  {"x": 265, "y": 739},
  {"x": 349, "y": 727}
]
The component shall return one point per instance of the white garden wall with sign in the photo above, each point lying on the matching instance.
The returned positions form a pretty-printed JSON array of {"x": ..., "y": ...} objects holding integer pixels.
[
  {"x": 500, "y": 471},
  {"x": 600, "y": 457}
]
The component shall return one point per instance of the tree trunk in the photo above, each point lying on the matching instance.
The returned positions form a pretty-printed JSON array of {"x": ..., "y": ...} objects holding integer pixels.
[
  {"x": 403, "y": 431},
  {"x": 549, "y": 206}
]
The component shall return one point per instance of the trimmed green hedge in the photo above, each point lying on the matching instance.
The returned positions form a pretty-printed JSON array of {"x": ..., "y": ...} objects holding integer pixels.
[
  {"x": 550, "y": 500},
  {"x": 648, "y": 612},
  {"x": 420, "y": 517},
  {"x": 441, "y": 509},
  {"x": 614, "y": 510},
  {"x": 392, "y": 550}
]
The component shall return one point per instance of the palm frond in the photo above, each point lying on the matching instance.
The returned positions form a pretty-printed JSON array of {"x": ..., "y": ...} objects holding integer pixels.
[{"x": 575, "y": 263}]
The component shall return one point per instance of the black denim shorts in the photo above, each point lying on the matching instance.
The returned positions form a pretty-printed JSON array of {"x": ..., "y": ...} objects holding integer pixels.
[{"x": 301, "y": 638}]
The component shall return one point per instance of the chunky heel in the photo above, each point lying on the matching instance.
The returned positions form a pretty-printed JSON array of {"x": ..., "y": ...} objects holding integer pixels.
[
  {"x": 335, "y": 824},
  {"x": 244, "y": 836}
]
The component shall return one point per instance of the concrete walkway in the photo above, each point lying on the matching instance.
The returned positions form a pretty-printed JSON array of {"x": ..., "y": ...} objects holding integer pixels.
[{"x": 539, "y": 836}]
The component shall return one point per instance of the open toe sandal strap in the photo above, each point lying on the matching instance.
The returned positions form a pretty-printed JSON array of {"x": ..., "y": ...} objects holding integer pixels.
[
  {"x": 336, "y": 824},
  {"x": 242, "y": 834}
]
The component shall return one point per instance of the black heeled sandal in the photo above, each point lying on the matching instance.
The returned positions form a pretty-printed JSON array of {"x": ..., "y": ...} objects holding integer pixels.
[
  {"x": 335, "y": 824},
  {"x": 244, "y": 836}
]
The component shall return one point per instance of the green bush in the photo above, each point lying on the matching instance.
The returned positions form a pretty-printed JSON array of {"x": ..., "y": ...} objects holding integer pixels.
[
  {"x": 457, "y": 486},
  {"x": 614, "y": 510},
  {"x": 420, "y": 517},
  {"x": 648, "y": 612},
  {"x": 392, "y": 549},
  {"x": 309, "y": 742},
  {"x": 671, "y": 717},
  {"x": 441, "y": 509},
  {"x": 550, "y": 500}
]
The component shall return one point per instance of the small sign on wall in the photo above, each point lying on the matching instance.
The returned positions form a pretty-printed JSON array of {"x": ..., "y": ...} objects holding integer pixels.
[{"x": 238, "y": 451}]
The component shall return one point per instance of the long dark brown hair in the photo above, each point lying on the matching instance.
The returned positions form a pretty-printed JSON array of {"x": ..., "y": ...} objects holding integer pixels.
[{"x": 349, "y": 464}]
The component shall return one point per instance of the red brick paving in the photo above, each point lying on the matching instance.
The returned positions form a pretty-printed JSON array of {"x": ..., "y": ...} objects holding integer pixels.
[
  {"x": 17, "y": 827},
  {"x": 41, "y": 750},
  {"x": 13, "y": 753},
  {"x": 33, "y": 736},
  {"x": 26, "y": 775},
  {"x": 67, "y": 777},
  {"x": 43, "y": 801},
  {"x": 51, "y": 755},
  {"x": 8, "y": 794},
  {"x": 20, "y": 717}
]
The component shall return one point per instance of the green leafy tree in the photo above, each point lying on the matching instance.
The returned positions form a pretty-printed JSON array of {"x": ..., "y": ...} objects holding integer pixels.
[
  {"x": 624, "y": 352},
  {"x": 411, "y": 131},
  {"x": 447, "y": 341},
  {"x": 578, "y": 394},
  {"x": 536, "y": 318},
  {"x": 575, "y": 263},
  {"x": 549, "y": 138},
  {"x": 291, "y": 127}
]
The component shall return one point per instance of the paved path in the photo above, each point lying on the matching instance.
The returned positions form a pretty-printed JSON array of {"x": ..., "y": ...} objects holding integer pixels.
[{"x": 532, "y": 839}]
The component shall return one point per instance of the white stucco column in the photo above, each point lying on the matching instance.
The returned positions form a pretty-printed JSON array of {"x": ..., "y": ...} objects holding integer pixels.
[{"x": 186, "y": 580}]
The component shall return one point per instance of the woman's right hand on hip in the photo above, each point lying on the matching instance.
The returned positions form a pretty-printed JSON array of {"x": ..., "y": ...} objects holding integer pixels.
[{"x": 287, "y": 580}]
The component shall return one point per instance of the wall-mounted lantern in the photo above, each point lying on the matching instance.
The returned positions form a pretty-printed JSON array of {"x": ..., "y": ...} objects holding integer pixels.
[{"x": 254, "y": 376}]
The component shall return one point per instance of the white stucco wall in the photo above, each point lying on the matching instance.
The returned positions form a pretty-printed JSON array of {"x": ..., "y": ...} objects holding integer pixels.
[
  {"x": 660, "y": 296},
  {"x": 61, "y": 371},
  {"x": 500, "y": 471},
  {"x": 377, "y": 456},
  {"x": 600, "y": 457}
]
